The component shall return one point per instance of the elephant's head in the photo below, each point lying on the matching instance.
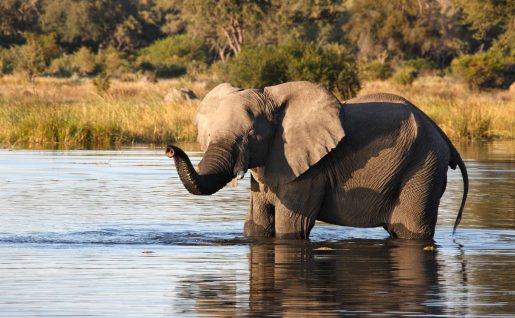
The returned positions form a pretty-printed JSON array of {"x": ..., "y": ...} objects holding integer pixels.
[{"x": 279, "y": 132}]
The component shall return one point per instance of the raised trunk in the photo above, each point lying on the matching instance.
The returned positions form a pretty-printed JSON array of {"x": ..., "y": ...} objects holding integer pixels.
[{"x": 216, "y": 169}]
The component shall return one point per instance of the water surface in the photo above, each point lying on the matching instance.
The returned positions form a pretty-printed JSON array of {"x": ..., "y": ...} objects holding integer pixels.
[{"x": 114, "y": 234}]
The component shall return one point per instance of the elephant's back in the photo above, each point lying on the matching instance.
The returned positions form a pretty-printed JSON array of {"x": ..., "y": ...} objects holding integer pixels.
[{"x": 383, "y": 115}]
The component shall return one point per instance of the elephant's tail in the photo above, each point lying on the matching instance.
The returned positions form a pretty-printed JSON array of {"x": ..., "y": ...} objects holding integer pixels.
[{"x": 456, "y": 160}]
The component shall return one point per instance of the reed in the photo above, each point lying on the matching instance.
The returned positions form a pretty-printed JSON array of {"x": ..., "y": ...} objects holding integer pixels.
[{"x": 71, "y": 113}]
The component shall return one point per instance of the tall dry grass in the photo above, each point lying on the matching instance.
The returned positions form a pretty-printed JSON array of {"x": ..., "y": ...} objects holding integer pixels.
[
  {"x": 72, "y": 114},
  {"x": 462, "y": 114}
]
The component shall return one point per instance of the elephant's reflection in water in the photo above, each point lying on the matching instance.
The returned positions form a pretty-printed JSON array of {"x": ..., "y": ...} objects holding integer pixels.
[{"x": 350, "y": 277}]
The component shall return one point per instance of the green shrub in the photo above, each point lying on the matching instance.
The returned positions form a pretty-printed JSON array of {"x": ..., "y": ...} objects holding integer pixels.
[
  {"x": 174, "y": 55},
  {"x": 374, "y": 70},
  {"x": 114, "y": 63},
  {"x": 33, "y": 57},
  {"x": 62, "y": 66},
  {"x": 6, "y": 62},
  {"x": 330, "y": 65},
  {"x": 421, "y": 65},
  {"x": 85, "y": 61},
  {"x": 405, "y": 75},
  {"x": 257, "y": 67},
  {"x": 485, "y": 70}
]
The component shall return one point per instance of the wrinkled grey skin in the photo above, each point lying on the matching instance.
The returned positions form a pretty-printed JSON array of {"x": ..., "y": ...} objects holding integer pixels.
[{"x": 371, "y": 161}]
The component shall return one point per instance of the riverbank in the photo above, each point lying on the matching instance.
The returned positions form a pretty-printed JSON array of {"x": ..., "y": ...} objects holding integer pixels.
[{"x": 72, "y": 113}]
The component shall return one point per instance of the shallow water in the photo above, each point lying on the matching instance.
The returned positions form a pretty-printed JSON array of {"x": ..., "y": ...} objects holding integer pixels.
[{"x": 114, "y": 234}]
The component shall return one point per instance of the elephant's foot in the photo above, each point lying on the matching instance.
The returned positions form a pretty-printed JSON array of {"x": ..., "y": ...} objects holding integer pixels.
[
  {"x": 400, "y": 231},
  {"x": 292, "y": 225},
  {"x": 252, "y": 229}
]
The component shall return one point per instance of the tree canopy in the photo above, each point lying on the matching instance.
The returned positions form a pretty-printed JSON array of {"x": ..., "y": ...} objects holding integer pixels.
[{"x": 386, "y": 33}]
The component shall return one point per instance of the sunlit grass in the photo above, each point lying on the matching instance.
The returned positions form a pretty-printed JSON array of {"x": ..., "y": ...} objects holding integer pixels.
[
  {"x": 73, "y": 114},
  {"x": 70, "y": 113}
]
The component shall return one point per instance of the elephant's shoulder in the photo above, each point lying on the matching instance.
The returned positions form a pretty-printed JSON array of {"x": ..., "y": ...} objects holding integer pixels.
[{"x": 379, "y": 97}]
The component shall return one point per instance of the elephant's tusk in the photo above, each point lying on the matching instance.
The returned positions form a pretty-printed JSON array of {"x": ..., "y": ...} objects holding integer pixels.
[{"x": 240, "y": 174}]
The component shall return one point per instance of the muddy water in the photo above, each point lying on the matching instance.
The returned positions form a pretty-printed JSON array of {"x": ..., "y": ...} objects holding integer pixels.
[{"x": 114, "y": 234}]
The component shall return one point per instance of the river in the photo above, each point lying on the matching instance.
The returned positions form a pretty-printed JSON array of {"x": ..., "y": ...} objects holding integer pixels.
[{"x": 101, "y": 233}]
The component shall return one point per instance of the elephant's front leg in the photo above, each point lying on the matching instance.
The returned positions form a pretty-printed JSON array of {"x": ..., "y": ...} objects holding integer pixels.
[
  {"x": 260, "y": 217},
  {"x": 291, "y": 224},
  {"x": 297, "y": 207}
]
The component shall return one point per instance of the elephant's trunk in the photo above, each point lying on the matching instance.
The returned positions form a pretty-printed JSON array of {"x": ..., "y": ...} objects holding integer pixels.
[{"x": 215, "y": 169}]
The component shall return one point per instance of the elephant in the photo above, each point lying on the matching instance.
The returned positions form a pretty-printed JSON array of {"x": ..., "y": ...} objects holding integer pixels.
[{"x": 371, "y": 161}]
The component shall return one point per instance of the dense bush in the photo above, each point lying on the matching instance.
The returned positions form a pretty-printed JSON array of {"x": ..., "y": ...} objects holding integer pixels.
[
  {"x": 330, "y": 65},
  {"x": 83, "y": 62},
  {"x": 6, "y": 62},
  {"x": 174, "y": 55},
  {"x": 374, "y": 70},
  {"x": 33, "y": 57},
  {"x": 422, "y": 66},
  {"x": 485, "y": 70},
  {"x": 257, "y": 67},
  {"x": 405, "y": 75},
  {"x": 114, "y": 63}
]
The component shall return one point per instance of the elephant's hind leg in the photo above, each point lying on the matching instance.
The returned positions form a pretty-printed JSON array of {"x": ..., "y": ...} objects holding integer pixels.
[{"x": 415, "y": 213}]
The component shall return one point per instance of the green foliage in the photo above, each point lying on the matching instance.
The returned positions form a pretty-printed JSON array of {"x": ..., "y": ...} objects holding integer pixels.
[
  {"x": 488, "y": 19},
  {"x": 114, "y": 63},
  {"x": 330, "y": 65},
  {"x": 33, "y": 57},
  {"x": 374, "y": 70},
  {"x": 62, "y": 66},
  {"x": 124, "y": 24},
  {"x": 16, "y": 18},
  {"x": 400, "y": 30},
  {"x": 123, "y": 34},
  {"x": 405, "y": 75},
  {"x": 258, "y": 67},
  {"x": 6, "y": 62},
  {"x": 83, "y": 62},
  {"x": 485, "y": 70},
  {"x": 174, "y": 55},
  {"x": 421, "y": 65},
  {"x": 225, "y": 25}
]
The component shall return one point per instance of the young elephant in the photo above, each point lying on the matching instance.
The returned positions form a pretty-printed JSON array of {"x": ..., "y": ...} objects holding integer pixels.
[{"x": 371, "y": 161}]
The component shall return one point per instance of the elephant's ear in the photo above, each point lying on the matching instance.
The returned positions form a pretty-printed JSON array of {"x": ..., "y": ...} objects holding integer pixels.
[
  {"x": 207, "y": 108},
  {"x": 309, "y": 125}
]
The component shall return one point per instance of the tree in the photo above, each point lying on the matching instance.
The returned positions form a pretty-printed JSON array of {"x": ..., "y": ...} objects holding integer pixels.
[
  {"x": 311, "y": 21},
  {"x": 99, "y": 23},
  {"x": 330, "y": 65},
  {"x": 33, "y": 57},
  {"x": 224, "y": 24},
  {"x": 400, "y": 29},
  {"x": 17, "y": 17},
  {"x": 489, "y": 20}
]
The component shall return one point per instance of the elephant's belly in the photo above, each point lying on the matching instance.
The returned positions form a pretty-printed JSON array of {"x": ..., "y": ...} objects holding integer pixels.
[{"x": 357, "y": 208}]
